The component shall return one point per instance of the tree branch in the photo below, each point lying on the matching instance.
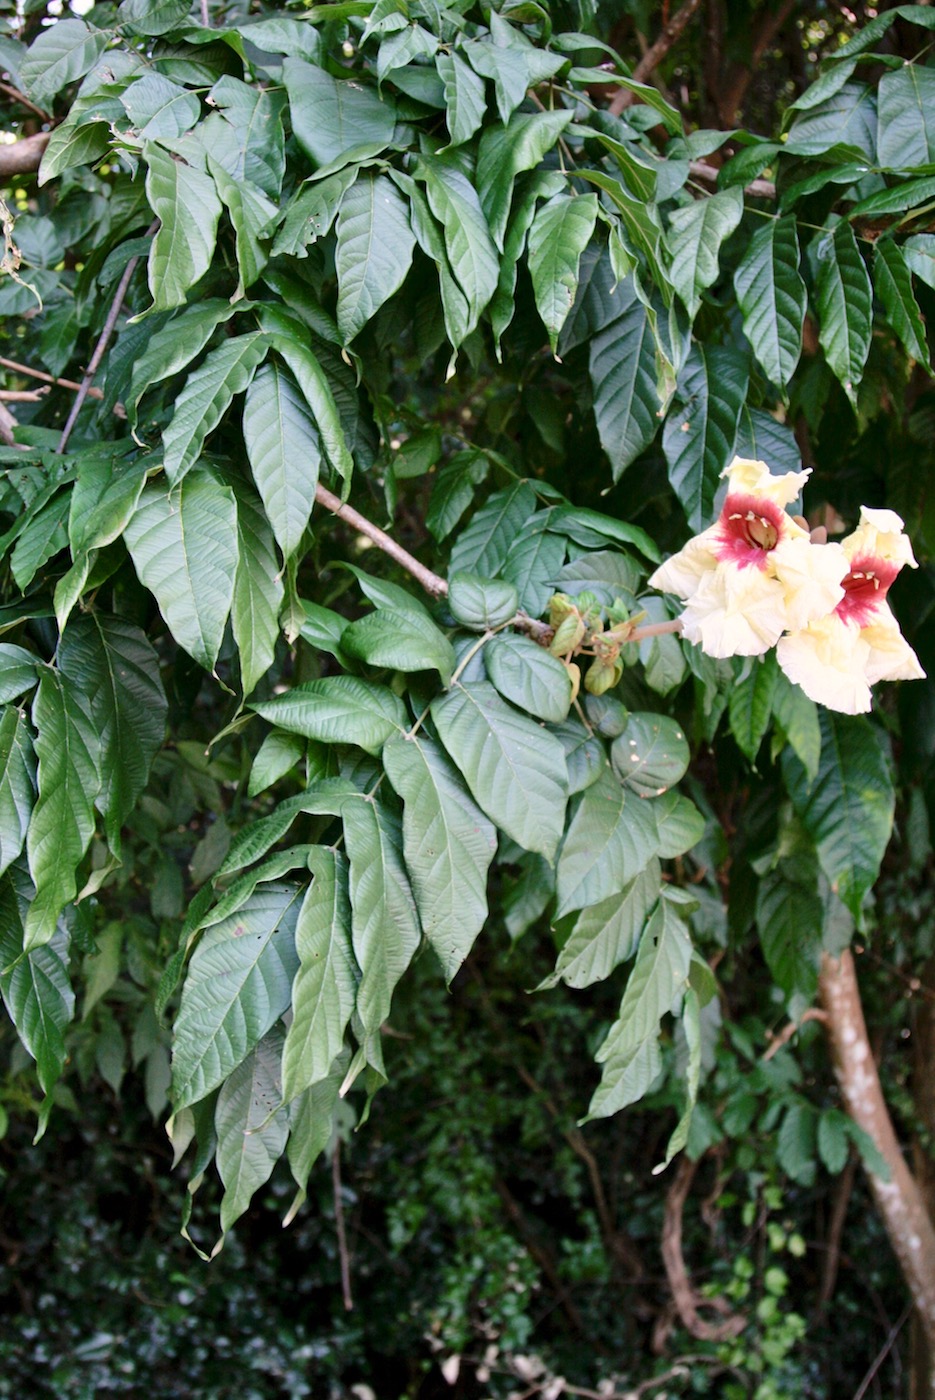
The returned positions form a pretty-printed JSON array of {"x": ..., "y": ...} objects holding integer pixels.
[
  {"x": 757, "y": 189},
  {"x": 24, "y": 156},
  {"x": 31, "y": 373},
  {"x": 431, "y": 582},
  {"x": 734, "y": 89},
  {"x": 23, "y": 100},
  {"x": 684, "y": 1296},
  {"x": 655, "y": 54}
]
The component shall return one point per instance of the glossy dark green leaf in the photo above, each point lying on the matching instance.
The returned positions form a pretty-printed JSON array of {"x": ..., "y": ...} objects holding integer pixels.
[
  {"x": 187, "y": 204},
  {"x": 36, "y": 991},
  {"x": 482, "y": 547},
  {"x": 465, "y": 99},
  {"x": 696, "y": 233},
  {"x": 789, "y": 919},
  {"x": 374, "y": 251},
  {"x": 610, "y": 839},
  {"x": 17, "y": 783},
  {"x": 751, "y": 706},
  {"x": 845, "y": 303},
  {"x": 892, "y": 282},
  {"x": 529, "y": 676},
  {"x": 453, "y": 491},
  {"x": 481, "y": 603},
  {"x": 338, "y": 710},
  {"x": 559, "y": 233},
  {"x": 623, "y": 376},
  {"x": 906, "y": 112},
  {"x": 258, "y": 590},
  {"x": 772, "y": 297},
  {"x": 505, "y": 152},
  {"x": 701, "y": 427}
]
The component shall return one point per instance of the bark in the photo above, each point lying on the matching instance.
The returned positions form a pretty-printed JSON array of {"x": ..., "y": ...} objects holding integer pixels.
[
  {"x": 899, "y": 1200},
  {"x": 923, "y": 1163},
  {"x": 22, "y": 157}
]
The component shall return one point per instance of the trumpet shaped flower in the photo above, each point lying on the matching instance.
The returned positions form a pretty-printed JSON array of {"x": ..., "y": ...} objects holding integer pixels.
[{"x": 754, "y": 574}]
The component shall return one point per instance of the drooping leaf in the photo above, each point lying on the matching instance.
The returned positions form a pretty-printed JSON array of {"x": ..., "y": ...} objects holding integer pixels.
[
  {"x": 284, "y": 451},
  {"x": 112, "y": 662},
  {"x": 534, "y": 559},
  {"x": 184, "y": 546},
  {"x": 559, "y": 233},
  {"x": 465, "y": 100},
  {"x": 701, "y": 427},
  {"x": 505, "y": 152},
  {"x": 61, "y": 54},
  {"x": 696, "y": 232},
  {"x": 848, "y": 809},
  {"x": 772, "y": 297},
  {"x": 511, "y": 61},
  {"x": 448, "y": 845},
  {"x": 206, "y": 397},
  {"x": 160, "y": 109},
  {"x": 336, "y": 122},
  {"x": 679, "y": 825},
  {"x": 482, "y": 547},
  {"x": 848, "y": 118},
  {"x": 311, "y": 1124},
  {"x": 374, "y": 250},
  {"x": 17, "y": 783},
  {"x": 650, "y": 755},
  {"x": 514, "y": 769},
  {"x": 62, "y": 823},
  {"x": 253, "y": 217},
  {"x": 468, "y": 242},
  {"x": 892, "y": 281},
  {"x": 606, "y": 934},
  {"x": 845, "y": 303},
  {"x": 175, "y": 346},
  {"x": 244, "y": 132},
  {"x": 36, "y": 990},
  {"x": 315, "y": 387},
  {"x": 251, "y": 1123},
  {"x": 751, "y": 706},
  {"x": 623, "y": 375},
  {"x": 610, "y": 839},
  {"x": 187, "y": 204},
  {"x": 789, "y": 919},
  {"x": 529, "y": 676},
  {"x": 239, "y": 983},
  {"x": 325, "y": 986},
  {"x": 906, "y": 116},
  {"x": 453, "y": 491},
  {"x": 338, "y": 710},
  {"x": 797, "y": 716},
  {"x": 691, "y": 1025},
  {"x": 258, "y": 590}
]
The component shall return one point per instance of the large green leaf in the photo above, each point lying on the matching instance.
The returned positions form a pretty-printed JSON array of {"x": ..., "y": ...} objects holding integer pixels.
[
  {"x": 529, "y": 676},
  {"x": 772, "y": 297},
  {"x": 284, "y": 451},
  {"x": 484, "y": 545},
  {"x": 311, "y": 211},
  {"x": 244, "y": 133},
  {"x": 338, "y": 710},
  {"x": 253, "y": 217},
  {"x": 892, "y": 281},
  {"x": 623, "y": 376},
  {"x": 751, "y": 706},
  {"x": 111, "y": 662},
  {"x": 311, "y": 1125},
  {"x": 848, "y": 809},
  {"x": 505, "y": 152},
  {"x": 514, "y": 769},
  {"x": 465, "y": 99},
  {"x": 845, "y": 305},
  {"x": 153, "y": 16},
  {"x": 251, "y": 1123},
  {"x": 906, "y": 114},
  {"x": 611, "y": 838},
  {"x": 696, "y": 232},
  {"x": 679, "y": 825},
  {"x": 384, "y": 919},
  {"x": 511, "y": 61},
  {"x": 184, "y": 546},
  {"x": 17, "y": 783},
  {"x": 174, "y": 347},
  {"x": 62, "y": 823},
  {"x": 399, "y": 639},
  {"x": 848, "y": 118},
  {"x": 468, "y": 242},
  {"x": 539, "y": 184},
  {"x": 239, "y": 983},
  {"x": 797, "y": 717},
  {"x": 207, "y": 396},
  {"x": 258, "y": 590},
  {"x": 36, "y": 990},
  {"x": 701, "y": 427},
  {"x": 650, "y": 755},
  {"x": 790, "y": 917},
  {"x": 481, "y": 603},
  {"x": 316, "y": 387},
  {"x": 453, "y": 491},
  {"x": 19, "y": 671},
  {"x": 374, "y": 251},
  {"x": 448, "y": 845},
  {"x": 558, "y": 236},
  {"x": 187, "y": 204},
  {"x": 658, "y": 977},
  {"x": 606, "y": 934},
  {"x": 325, "y": 986},
  {"x": 61, "y": 54},
  {"x": 160, "y": 109},
  {"x": 533, "y": 561},
  {"x": 336, "y": 122}
]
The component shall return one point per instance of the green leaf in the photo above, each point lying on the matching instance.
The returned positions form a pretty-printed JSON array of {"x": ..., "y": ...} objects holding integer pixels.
[
  {"x": 325, "y": 987},
  {"x": 658, "y": 977},
  {"x": 650, "y": 755},
  {"x": 62, "y": 823},
  {"x": 252, "y": 1124},
  {"x": 239, "y": 983},
  {"x": 845, "y": 305},
  {"x": 468, "y": 242},
  {"x": 103, "y": 499},
  {"x": 277, "y": 755},
  {"x": 186, "y": 202},
  {"x": 316, "y": 389},
  {"x": 174, "y": 347},
  {"x": 919, "y": 253},
  {"x": 160, "y": 109},
  {"x": 906, "y": 113},
  {"x": 763, "y": 439},
  {"x": 514, "y": 769},
  {"x": 512, "y": 62},
  {"x": 456, "y": 310},
  {"x": 581, "y": 524},
  {"x": 112, "y": 663},
  {"x": 847, "y": 119},
  {"x": 453, "y": 491},
  {"x": 797, "y": 717},
  {"x": 833, "y": 1139},
  {"x": 789, "y": 918},
  {"x": 585, "y": 755},
  {"x": 848, "y": 809},
  {"x": 244, "y": 133},
  {"x": 534, "y": 559},
  {"x": 505, "y": 152},
  {"x": 448, "y": 845},
  {"x": 611, "y": 838},
  {"x": 384, "y": 920},
  {"x": 384, "y": 594},
  {"x": 401, "y": 640},
  {"x": 311, "y": 211},
  {"x": 696, "y": 233},
  {"x": 892, "y": 282},
  {"x": 679, "y": 825},
  {"x": 540, "y": 184},
  {"x": 701, "y": 427},
  {"x": 65, "y": 51},
  {"x": 640, "y": 228},
  {"x": 795, "y": 1143},
  {"x": 772, "y": 297},
  {"x": 253, "y": 218},
  {"x": 41, "y": 538},
  {"x": 483, "y": 546},
  {"x": 258, "y": 591},
  {"x": 184, "y": 547},
  {"x": 529, "y": 676},
  {"x": 691, "y": 1026},
  {"x": 559, "y": 234},
  {"x": 284, "y": 451},
  {"x": 338, "y": 710},
  {"x": 623, "y": 377},
  {"x": 17, "y": 784},
  {"x": 606, "y": 934},
  {"x": 465, "y": 99},
  {"x": 36, "y": 990},
  {"x": 77, "y": 141},
  {"x": 336, "y": 122},
  {"x": 374, "y": 250},
  {"x": 18, "y": 672},
  {"x": 751, "y": 706},
  {"x": 311, "y": 1127},
  {"x": 481, "y": 603},
  {"x": 206, "y": 397},
  {"x": 906, "y": 194},
  {"x": 153, "y": 16}
]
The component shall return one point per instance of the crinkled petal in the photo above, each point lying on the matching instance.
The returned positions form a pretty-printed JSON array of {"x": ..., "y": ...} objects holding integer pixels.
[
  {"x": 756, "y": 479},
  {"x": 828, "y": 660},
  {"x": 735, "y": 612},
  {"x": 811, "y": 576},
  {"x": 682, "y": 573},
  {"x": 880, "y": 534},
  {"x": 891, "y": 657}
]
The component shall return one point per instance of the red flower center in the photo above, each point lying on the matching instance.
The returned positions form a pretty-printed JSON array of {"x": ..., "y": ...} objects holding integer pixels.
[
  {"x": 748, "y": 528},
  {"x": 865, "y": 587}
]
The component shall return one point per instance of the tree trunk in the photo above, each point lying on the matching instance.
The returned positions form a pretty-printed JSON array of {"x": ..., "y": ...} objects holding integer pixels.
[{"x": 899, "y": 1200}]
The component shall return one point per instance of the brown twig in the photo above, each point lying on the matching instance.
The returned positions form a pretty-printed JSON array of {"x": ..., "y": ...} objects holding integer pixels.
[
  {"x": 205, "y": 15},
  {"x": 24, "y": 156},
  {"x": 24, "y": 101},
  {"x": 46, "y": 378},
  {"x": 431, "y": 582},
  {"x": 757, "y": 189},
  {"x": 655, "y": 54},
  {"x": 841, "y": 1199},
  {"x": 113, "y": 315},
  {"x": 814, "y": 1013},
  {"x": 22, "y": 395},
  {"x": 687, "y": 1301},
  {"x": 884, "y": 1352},
  {"x": 339, "y": 1227}
]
